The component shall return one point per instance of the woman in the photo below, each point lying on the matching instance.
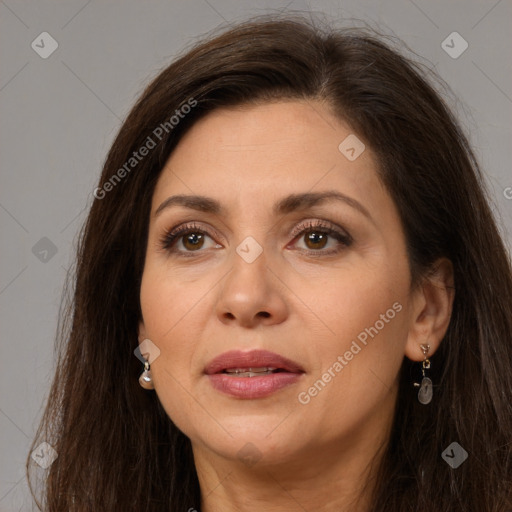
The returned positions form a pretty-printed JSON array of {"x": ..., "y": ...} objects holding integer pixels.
[{"x": 290, "y": 294}]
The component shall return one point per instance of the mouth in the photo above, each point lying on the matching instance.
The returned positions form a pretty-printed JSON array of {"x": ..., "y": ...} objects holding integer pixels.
[
  {"x": 252, "y": 363},
  {"x": 251, "y": 372},
  {"x": 254, "y": 374}
]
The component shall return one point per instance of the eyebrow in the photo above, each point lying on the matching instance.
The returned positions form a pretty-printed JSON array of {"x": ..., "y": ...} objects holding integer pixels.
[{"x": 286, "y": 205}]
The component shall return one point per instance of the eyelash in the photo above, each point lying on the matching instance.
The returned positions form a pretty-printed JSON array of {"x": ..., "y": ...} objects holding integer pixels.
[{"x": 323, "y": 227}]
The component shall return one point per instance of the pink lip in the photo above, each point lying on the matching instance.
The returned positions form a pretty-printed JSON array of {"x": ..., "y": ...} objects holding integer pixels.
[
  {"x": 251, "y": 359},
  {"x": 252, "y": 387}
]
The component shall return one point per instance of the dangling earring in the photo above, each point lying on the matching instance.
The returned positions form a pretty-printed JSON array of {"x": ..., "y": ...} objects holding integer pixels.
[
  {"x": 146, "y": 379},
  {"x": 426, "y": 388}
]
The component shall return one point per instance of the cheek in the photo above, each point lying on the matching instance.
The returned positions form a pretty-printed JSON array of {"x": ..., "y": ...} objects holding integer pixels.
[
  {"x": 359, "y": 303},
  {"x": 167, "y": 309},
  {"x": 169, "y": 302},
  {"x": 361, "y": 351},
  {"x": 175, "y": 309}
]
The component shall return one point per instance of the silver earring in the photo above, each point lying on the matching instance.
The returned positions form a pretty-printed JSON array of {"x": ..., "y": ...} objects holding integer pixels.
[
  {"x": 146, "y": 379},
  {"x": 426, "y": 389}
]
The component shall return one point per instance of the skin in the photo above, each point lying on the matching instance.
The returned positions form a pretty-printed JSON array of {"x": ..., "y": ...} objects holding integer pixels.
[{"x": 314, "y": 456}]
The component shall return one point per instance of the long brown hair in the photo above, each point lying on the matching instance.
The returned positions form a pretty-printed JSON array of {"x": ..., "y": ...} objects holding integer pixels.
[{"x": 118, "y": 450}]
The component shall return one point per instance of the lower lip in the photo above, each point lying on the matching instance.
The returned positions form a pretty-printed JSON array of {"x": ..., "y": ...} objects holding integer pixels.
[{"x": 253, "y": 387}]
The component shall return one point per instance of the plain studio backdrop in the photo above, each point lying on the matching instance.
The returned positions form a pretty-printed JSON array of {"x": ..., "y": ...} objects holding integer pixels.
[{"x": 70, "y": 73}]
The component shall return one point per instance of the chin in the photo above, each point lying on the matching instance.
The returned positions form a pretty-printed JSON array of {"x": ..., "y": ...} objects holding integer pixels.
[
  {"x": 251, "y": 452},
  {"x": 250, "y": 440}
]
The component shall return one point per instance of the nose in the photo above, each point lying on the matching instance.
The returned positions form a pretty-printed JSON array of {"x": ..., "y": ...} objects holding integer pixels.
[{"x": 252, "y": 294}]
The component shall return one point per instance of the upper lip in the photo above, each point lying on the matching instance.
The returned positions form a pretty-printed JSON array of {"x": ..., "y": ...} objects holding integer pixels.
[{"x": 251, "y": 359}]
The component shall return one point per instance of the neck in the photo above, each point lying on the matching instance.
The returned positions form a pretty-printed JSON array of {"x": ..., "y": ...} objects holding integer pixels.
[{"x": 336, "y": 477}]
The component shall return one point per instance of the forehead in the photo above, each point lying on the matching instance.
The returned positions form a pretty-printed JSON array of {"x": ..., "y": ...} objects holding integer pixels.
[
  {"x": 275, "y": 127},
  {"x": 290, "y": 146}
]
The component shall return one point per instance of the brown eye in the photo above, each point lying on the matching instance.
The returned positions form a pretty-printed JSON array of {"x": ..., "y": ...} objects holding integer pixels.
[
  {"x": 186, "y": 239},
  {"x": 193, "y": 241},
  {"x": 316, "y": 239}
]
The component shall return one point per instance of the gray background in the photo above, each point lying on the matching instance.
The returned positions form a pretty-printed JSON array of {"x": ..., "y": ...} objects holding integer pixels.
[{"x": 59, "y": 116}]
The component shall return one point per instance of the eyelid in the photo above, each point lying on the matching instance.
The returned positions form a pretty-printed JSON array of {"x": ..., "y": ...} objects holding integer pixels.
[
  {"x": 318, "y": 223},
  {"x": 182, "y": 229},
  {"x": 171, "y": 236}
]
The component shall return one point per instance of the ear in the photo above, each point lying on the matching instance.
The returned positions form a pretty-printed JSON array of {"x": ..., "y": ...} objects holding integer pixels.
[
  {"x": 431, "y": 310},
  {"x": 142, "y": 332}
]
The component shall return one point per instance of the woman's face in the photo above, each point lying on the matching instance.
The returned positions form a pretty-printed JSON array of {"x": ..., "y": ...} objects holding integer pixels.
[{"x": 265, "y": 264}]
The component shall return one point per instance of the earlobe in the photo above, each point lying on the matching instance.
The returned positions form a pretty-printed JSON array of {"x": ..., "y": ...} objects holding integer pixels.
[
  {"x": 433, "y": 303},
  {"x": 142, "y": 331}
]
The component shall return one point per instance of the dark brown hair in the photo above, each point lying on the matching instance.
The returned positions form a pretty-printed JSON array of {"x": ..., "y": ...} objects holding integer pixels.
[{"x": 117, "y": 448}]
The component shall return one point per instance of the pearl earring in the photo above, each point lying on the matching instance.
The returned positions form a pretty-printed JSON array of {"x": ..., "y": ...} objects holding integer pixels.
[{"x": 146, "y": 379}]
